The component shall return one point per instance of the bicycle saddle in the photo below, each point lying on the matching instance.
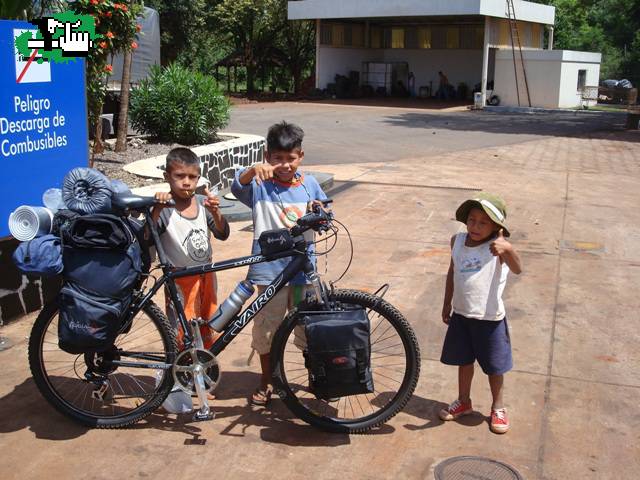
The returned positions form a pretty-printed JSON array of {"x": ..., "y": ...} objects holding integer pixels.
[{"x": 128, "y": 200}]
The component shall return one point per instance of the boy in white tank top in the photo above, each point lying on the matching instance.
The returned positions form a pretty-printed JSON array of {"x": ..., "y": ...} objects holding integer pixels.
[{"x": 473, "y": 309}]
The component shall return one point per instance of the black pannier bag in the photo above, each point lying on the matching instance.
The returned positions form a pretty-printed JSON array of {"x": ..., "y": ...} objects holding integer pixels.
[
  {"x": 102, "y": 267},
  {"x": 338, "y": 353}
]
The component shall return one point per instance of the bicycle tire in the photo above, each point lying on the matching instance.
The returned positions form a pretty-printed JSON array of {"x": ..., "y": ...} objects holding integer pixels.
[
  {"x": 308, "y": 408},
  {"x": 45, "y": 333}
]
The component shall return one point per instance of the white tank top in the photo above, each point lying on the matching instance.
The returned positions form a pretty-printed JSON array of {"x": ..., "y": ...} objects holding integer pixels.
[{"x": 478, "y": 281}]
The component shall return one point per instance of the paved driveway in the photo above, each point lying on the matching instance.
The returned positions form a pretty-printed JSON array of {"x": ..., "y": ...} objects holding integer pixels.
[{"x": 347, "y": 134}]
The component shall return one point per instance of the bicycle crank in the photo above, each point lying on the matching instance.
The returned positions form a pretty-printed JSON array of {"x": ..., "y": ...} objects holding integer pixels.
[{"x": 196, "y": 371}]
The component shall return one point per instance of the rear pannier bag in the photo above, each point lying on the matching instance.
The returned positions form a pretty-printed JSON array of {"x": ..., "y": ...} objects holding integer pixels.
[
  {"x": 338, "y": 353},
  {"x": 88, "y": 322},
  {"x": 102, "y": 267}
]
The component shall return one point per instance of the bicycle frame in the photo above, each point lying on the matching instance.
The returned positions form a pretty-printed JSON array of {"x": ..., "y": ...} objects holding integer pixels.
[{"x": 301, "y": 262}]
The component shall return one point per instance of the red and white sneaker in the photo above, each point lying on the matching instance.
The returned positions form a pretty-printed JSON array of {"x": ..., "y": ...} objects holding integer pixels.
[
  {"x": 455, "y": 410},
  {"x": 499, "y": 420}
]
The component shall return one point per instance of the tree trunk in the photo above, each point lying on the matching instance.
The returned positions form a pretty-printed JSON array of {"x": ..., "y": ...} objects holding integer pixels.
[
  {"x": 98, "y": 146},
  {"x": 296, "y": 73},
  {"x": 250, "y": 78},
  {"x": 121, "y": 141}
]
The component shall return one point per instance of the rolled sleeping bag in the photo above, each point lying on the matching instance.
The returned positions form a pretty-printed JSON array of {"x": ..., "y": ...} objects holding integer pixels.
[{"x": 87, "y": 191}]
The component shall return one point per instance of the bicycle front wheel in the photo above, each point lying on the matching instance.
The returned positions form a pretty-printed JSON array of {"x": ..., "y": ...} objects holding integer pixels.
[
  {"x": 110, "y": 389},
  {"x": 395, "y": 364}
]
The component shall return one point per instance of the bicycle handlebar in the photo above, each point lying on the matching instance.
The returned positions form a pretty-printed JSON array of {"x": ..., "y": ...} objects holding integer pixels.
[{"x": 318, "y": 220}]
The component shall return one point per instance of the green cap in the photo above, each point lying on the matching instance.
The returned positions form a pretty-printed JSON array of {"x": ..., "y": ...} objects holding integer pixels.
[{"x": 492, "y": 205}]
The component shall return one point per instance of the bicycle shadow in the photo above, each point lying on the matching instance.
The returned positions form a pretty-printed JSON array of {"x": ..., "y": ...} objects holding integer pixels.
[
  {"x": 28, "y": 409},
  {"x": 427, "y": 409},
  {"x": 275, "y": 422}
]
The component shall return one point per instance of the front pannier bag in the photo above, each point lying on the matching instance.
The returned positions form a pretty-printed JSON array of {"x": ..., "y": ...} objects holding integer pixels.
[
  {"x": 102, "y": 267},
  {"x": 338, "y": 353}
]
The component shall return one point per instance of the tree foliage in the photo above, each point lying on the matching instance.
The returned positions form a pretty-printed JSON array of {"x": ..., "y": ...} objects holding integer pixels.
[
  {"x": 608, "y": 26},
  {"x": 178, "y": 105}
]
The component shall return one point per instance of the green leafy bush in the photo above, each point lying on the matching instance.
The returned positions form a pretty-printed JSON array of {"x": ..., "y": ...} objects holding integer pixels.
[{"x": 175, "y": 104}]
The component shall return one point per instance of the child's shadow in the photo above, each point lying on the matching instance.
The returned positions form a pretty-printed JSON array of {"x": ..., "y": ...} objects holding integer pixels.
[{"x": 428, "y": 410}]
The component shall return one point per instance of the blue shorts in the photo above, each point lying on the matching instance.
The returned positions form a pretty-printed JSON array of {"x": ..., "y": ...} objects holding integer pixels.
[{"x": 486, "y": 341}]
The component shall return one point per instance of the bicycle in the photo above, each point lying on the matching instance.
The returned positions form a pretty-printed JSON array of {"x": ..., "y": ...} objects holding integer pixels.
[{"x": 127, "y": 382}]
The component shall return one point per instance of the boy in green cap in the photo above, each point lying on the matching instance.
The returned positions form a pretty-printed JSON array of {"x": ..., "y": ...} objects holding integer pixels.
[{"x": 477, "y": 329}]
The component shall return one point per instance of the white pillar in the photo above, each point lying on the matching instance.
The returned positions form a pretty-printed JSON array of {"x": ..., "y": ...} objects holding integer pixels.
[
  {"x": 550, "y": 46},
  {"x": 318, "y": 35},
  {"x": 485, "y": 59}
]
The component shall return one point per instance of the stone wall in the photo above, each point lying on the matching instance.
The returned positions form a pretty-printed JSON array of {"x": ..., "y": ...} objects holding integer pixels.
[{"x": 219, "y": 167}]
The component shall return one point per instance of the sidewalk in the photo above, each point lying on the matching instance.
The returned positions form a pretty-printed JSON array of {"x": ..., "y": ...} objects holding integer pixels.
[{"x": 572, "y": 397}]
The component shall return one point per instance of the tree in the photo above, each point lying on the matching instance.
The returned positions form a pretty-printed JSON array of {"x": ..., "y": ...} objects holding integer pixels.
[
  {"x": 116, "y": 24},
  {"x": 607, "y": 26},
  {"x": 181, "y": 21},
  {"x": 296, "y": 41},
  {"x": 121, "y": 141},
  {"x": 251, "y": 26}
]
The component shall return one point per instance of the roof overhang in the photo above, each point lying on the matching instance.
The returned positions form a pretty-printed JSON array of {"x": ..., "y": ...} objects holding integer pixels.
[{"x": 342, "y": 9}]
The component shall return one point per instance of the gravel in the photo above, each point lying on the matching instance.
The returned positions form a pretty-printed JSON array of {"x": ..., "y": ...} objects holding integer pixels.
[
  {"x": 110, "y": 163},
  {"x": 138, "y": 148}
]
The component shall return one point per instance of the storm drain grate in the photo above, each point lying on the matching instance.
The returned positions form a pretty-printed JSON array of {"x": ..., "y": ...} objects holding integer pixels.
[{"x": 474, "y": 468}]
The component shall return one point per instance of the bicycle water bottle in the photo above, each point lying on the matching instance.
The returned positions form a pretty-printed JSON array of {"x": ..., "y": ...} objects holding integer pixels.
[{"x": 231, "y": 306}]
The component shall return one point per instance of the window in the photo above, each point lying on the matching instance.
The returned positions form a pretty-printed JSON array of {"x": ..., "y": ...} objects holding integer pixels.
[
  {"x": 478, "y": 37},
  {"x": 410, "y": 37},
  {"x": 438, "y": 38},
  {"x": 453, "y": 37},
  {"x": 424, "y": 37},
  {"x": 582, "y": 79},
  {"x": 325, "y": 34},
  {"x": 337, "y": 36},
  {"x": 357, "y": 35},
  {"x": 375, "y": 34},
  {"x": 397, "y": 38}
]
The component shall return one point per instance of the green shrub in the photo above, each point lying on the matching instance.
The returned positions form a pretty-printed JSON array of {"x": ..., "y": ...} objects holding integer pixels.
[{"x": 175, "y": 104}]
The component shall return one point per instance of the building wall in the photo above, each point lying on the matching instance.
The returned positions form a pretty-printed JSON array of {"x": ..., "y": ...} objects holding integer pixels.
[
  {"x": 552, "y": 77},
  {"x": 332, "y": 61},
  {"x": 569, "y": 93},
  {"x": 458, "y": 65}
]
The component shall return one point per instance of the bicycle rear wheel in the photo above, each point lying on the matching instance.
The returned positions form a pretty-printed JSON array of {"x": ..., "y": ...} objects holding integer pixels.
[
  {"x": 395, "y": 364},
  {"x": 99, "y": 390}
]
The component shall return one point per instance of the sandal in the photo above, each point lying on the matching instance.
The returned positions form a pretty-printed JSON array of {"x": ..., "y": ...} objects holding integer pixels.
[{"x": 261, "y": 397}]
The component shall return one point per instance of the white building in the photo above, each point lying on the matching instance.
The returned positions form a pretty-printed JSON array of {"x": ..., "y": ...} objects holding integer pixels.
[{"x": 468, "y": 40}]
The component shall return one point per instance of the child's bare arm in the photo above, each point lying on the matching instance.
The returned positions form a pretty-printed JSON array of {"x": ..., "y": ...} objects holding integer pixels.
[
  {"x": 212, "y": 204},
  {"x": 261, "y": 172},
  {"x": 448, "y": 295},
  {"x": 448, "y": 290},
  {"x": 502, "y": 248},
  {"x": 162, "y": 198}
]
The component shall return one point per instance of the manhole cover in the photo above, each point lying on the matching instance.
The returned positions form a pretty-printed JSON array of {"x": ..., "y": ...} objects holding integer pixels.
[{"x": 475, "y": 468}]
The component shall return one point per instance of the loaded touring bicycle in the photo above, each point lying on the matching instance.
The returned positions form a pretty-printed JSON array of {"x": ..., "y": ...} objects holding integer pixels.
[{"x": 343, "y": 360}]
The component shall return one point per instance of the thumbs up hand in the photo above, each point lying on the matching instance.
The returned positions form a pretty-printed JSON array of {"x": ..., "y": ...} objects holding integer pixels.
[
  {"x": 500, "y": 245},
  {"x": 212, "y": 202}
]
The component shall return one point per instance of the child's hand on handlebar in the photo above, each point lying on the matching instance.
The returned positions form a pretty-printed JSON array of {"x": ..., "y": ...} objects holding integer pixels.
[
  {"x": 315, "y": 206},
  {"x": 162, "y": 198}
]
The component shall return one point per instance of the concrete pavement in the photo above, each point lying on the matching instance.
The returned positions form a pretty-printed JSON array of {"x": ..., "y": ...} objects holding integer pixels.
[{"x": 574, "y": 391}]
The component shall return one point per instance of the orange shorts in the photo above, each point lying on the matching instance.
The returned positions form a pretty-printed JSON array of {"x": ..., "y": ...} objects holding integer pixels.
[{"x": 199, "y": 300}]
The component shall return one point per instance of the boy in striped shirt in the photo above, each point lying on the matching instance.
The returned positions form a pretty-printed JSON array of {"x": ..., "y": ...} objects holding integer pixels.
[{"x": 278, "y": 195}]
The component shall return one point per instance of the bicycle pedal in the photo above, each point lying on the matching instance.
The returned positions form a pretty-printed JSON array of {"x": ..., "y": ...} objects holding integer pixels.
[{"x": 203, "y": 417}]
